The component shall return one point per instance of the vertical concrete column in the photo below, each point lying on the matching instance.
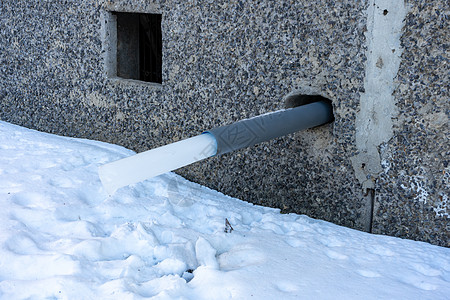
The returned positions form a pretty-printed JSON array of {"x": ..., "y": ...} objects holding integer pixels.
[
  {"x": 374, "y": 125},
  {"x": 377, "y": 107}
]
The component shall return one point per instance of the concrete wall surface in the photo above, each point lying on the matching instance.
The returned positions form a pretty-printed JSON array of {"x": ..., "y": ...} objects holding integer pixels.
[{"x": 382, "y": 166}]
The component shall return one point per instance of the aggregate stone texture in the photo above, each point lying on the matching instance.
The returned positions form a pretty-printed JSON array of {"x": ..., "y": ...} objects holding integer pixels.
[
  {"x": 413, "y": 191},
  {"x": 236, "y": 59},
  {"x": 224, "y": 61}
]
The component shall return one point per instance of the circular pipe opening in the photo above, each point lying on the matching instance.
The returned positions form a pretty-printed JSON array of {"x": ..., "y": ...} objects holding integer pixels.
[{"x": 295, "y": 100}]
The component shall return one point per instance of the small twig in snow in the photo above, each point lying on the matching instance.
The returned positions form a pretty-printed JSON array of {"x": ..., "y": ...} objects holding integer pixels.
[{"x": 228, "y": 227}]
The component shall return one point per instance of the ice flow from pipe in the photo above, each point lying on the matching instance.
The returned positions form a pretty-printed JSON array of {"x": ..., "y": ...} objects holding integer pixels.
[
  {"x": 217, "y": 141},
  {"x": 156, "y": 161}
]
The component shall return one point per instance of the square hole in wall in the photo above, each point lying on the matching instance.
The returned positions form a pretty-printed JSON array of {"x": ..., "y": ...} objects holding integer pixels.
[{"x": 139, "y": 46}]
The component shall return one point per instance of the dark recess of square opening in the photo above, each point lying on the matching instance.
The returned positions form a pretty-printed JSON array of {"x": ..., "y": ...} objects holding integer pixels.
[{"x": 139, "y": 46}]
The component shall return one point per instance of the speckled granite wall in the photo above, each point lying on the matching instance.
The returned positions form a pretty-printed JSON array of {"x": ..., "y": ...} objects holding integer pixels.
[
  {"x": 413, "y": 190},
  {"x": 228, "y": 60}
]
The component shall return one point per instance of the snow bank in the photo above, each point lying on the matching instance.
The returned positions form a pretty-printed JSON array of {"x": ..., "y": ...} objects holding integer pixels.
[{"x": 63, "y": 237}]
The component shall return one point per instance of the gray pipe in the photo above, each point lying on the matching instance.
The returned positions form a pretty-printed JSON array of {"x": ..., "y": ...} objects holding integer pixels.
[
  {"x": 241, "y": 134},
  {"x": 248, "y": 132}
]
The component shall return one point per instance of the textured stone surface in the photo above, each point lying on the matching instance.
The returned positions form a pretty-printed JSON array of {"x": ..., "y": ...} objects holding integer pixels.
[
  {"x": 414, "y": 187},
  {"x": 228, "y": 60},
  {"x": 237, "y": 60}
]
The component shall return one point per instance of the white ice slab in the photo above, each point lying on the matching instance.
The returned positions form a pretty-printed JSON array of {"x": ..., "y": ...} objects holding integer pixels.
[{"x": 157, "y": 161}]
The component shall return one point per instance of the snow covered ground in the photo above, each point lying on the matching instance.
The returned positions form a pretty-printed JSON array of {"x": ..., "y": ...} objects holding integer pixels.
[{"x": 63, "y": 237}]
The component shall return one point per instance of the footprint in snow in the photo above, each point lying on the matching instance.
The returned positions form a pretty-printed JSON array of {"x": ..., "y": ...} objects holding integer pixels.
[
  {"x": 368, "y": 273},
  {"x": 64, "y": 182},
  {"x": 331, "y": 241},
  {"x": 9, "y": 187},
  {"x": 287, "y": 287},
  {"x": 240, "y": 257},
  {"x": 32, "y": 200},
  {"x": 381, "y": 251},
  {"x": 295, "y": 243},
  {"x": 23, "y": 244},
  {"x": 426, "y": 270},
  {"x": 335, "y": 255},
  {"x": 420, "y": 283},
  {"x": 34, "y": 219}
]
